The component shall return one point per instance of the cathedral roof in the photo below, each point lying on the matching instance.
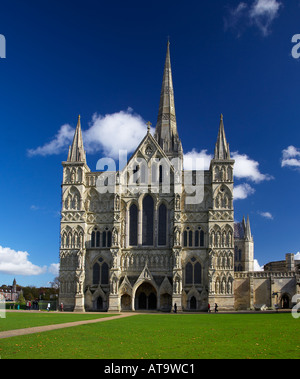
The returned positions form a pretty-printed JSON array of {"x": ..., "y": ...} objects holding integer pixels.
[{"x": 239, "y": 231}]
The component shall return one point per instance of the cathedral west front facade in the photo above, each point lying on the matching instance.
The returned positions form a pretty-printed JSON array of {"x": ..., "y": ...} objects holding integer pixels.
[{"x": 152, "y": 235}]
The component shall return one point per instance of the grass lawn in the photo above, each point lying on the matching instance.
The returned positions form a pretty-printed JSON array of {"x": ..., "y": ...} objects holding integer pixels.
[
  {"x": 166, "y": 337},
  {"x": 15, "y": 320}
]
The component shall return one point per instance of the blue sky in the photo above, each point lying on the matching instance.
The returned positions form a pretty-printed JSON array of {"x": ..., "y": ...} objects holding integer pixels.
[{"x": 104, "y": 60}]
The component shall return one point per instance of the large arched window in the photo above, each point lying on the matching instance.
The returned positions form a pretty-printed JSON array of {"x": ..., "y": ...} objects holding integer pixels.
[
  {"x": 193, "y": 272},
  {"x": 133, "y": 225},
  {"x": 189, "y": 273},
  {"x": 162, "y": 225},
  {"x": 100, "y": 272},
  {"x": 148, "y": 218}
]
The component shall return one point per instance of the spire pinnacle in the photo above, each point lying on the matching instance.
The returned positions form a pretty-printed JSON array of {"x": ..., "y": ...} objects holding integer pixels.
[
  {"x": 222, "y": 147},
  {"x": 248, "y": 235},
  {"x": 166, "y": 128},
  {"x": 76, "y": 151}
]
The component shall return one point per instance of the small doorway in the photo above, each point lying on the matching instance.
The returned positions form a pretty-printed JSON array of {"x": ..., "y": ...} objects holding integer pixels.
[
  {"x": 126, "y": 302},
  {"x": 193, "y": 303},
  {"x": 100, "y": 303}
]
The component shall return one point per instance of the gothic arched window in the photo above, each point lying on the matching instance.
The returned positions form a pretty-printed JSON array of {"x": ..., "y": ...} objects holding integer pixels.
[
  {"x": 95, "y": 240},
  {"x": 104, "y": 273},
  {"x": 199, "y": 237},
  {"x": 197, "y": 273},
  {"x": 162, "y": 225},
  {"x": 187, "y": 238},
  {"x": 96, "y": 273},
  {"x": 193, "y": 272},
  {"x": 106, "y": 238},
  {"x": 100, "y": 272},
  {"x": 133, "y": 225},
  {"x": 148, "y": 218},
  {"x": 189, "y": 273}
]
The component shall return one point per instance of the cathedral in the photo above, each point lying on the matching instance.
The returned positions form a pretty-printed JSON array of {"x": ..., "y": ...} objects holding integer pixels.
[{"x": 152, "y": 235}]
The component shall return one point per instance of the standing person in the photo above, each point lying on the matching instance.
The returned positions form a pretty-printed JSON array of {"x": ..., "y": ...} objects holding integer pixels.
[
  {"x": 208, "y": 308},
  {"x": 48, "y": 307},
  {"x": 61, "y": 307},
  {"x": 216, "y": 307},
  {"x": 175, "y": 308}
]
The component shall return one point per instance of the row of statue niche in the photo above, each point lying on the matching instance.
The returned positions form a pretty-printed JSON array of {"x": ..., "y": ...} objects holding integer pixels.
[
  {"x": 73, "y": 202},
  {"x": 223, "y": 287},
  {"x": 138, "y": 261},
  {"x": 223, "y": 173},
  {"x": 72, "y": 240},
  {"x": 222, "y": 200},
  {"x": 221, "y": 240},
  {"x": 74, "y": 175}
]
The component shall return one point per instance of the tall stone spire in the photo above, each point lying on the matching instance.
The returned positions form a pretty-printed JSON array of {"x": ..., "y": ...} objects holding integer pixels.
[
  {"x": 248, "y": 235},
  {"x": 166, "y": 128},
  {"x": 222, "y": 147},
  {"x": 76, "y": 151}
]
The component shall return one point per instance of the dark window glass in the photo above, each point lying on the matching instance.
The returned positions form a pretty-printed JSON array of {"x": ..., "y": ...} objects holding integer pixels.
[
  {"x": 185, "y": 238},
  {"x": 104, "y": 273},
  {"x": 93, "y": 239},
  {"x": 133, "y": 225},
  {"x": 98, "y": 239},
  {"x": 197, "y": 273},
  {"x": 201, "y": 238},
  {"x": 96, "y": 273},
  {"x": 197, "y": 238},
  {"x": 189, "y": 273},
  {"x": 104, "y": 241},
  {"x": 162, "y": 225},
  {"x": 148, "y": 213},
  {"x": 190, "y": 238}
]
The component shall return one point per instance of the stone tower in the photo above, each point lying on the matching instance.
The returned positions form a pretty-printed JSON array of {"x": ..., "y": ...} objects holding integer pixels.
[{"x": 221, "y": 225}]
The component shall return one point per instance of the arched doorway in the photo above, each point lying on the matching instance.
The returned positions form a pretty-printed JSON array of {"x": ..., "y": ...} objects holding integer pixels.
[
  {"x": 285, "y": 301},
  {"x": 146, "y": 298}
]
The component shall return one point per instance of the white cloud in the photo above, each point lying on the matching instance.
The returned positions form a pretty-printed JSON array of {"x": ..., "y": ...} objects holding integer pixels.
[
  {"x": 297, "y": 257},
  {"x": 291, "y": 157},
  {"x": 107, "y": 134},
  {"x": 57, "y": 145},
  {"x": 267, "y": 215},
  {"x": 191, "y": 158},
  {"x": 257, "y": 266},
  {"x": 114, "y": 132},
  {"x": 54, "y": 269},
  {"x": 242, "y": 191},
  {"x": 261, "y": 13},
  {"x": 246, "y": 168},
  {"x": 17, "y": 263}
]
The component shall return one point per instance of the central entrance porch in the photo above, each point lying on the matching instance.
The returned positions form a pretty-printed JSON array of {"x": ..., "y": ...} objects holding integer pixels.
[{"x": 146, "y": 297}]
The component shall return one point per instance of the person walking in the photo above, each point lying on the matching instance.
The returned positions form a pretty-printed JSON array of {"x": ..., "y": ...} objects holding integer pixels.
[
  {"x": 175, "y": 308},
  {"x": 48, "y": 307},
  {"x": 216, "y": 307},
  {"x": 208, "y": 308}
]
